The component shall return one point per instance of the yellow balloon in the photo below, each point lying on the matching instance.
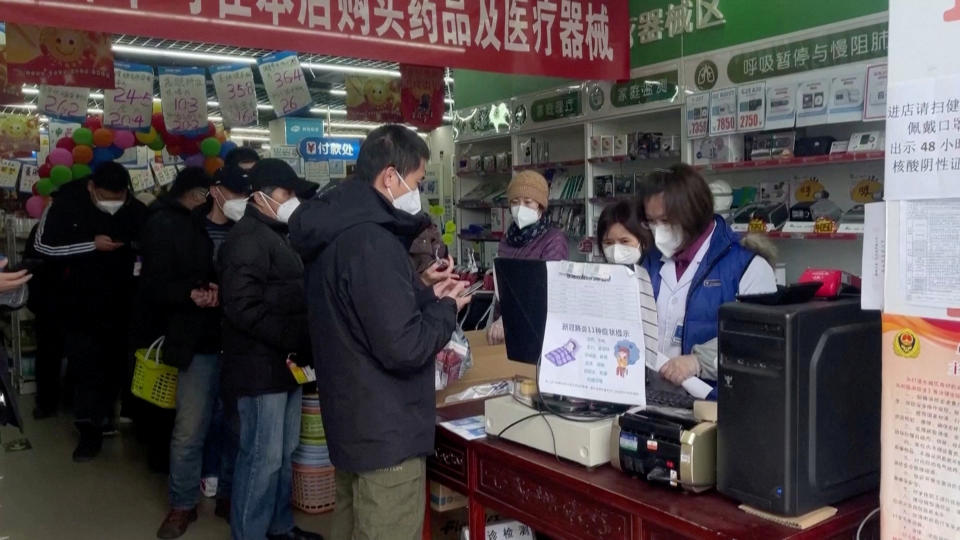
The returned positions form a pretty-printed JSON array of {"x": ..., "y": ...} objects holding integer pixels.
[
  {"x": 156, "y": 107},
  {"x": 448, "y": 239}
]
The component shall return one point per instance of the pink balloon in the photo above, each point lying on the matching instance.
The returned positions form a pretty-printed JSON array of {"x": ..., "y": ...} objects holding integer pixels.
[
  {"x": 61, "y": 156},
  {"x": 123, "y": 139},
  {"x": 35, "y": 206}
]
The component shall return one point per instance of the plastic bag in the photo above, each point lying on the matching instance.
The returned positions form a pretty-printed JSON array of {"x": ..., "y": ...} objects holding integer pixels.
[{"x": 454, "y": 360}]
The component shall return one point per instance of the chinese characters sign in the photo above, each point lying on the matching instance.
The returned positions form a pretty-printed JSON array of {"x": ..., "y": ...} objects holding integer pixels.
[
  {"x": 557, "y": 107},
  {"x": 421, "y": 95},
  {"x": 183, "y": 95},
  {"x": 584, "y": 39},
  {"x": 57, "y": 56},
  {"x": 373, "y": 99},
  {"x": 236, "y": 93},
  {"x": 283, "y": 79},
  {"x": 646, "y": 89},
  {"x": 674, "y": 20},
  {"x": 326, "y": 149},
  {"x": 64, "y": 102},
  {"x": 130, "y": 104}
]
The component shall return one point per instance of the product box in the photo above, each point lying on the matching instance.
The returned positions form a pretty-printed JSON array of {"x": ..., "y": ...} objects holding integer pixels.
[
  {"x": 526, "y": 152},
  {"x": 721, "y": 149},
  {"x": 606, "y": 145},
  {"x": 503, "y": 529},
  {"x": 448, "y": 525},
  {"x": 595, "y": 146},
  {"x": 620, "y": 145},
  {"x": 624, "y": 184},
  {"x": 833, "y": 281},
  {"x": 443, "y": 499},
  {"x": 604, "y": 186},
  {"x": 489, "y": 163},
  {"x": 503, "y": 161},
  {"x": 499, "y": 220}
]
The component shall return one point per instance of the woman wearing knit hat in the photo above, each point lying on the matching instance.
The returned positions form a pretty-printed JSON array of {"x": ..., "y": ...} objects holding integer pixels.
[{"x": 530, "y": 236}]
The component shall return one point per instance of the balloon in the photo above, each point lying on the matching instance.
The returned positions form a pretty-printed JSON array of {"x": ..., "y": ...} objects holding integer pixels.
[
  {"x": 157, "y": 122},
  {"x": 195, "y": 160},
  {"x": 222, "y": 137},
  {"x": 448, "y": 239},
  {"x": 60, "y": 156},
  {"x": 156, "y": 144},
  {"x": 102, "y": 155},
  {"x": 34, "y": 206},
  {"x": 212, "y": 165},
  {"x": 226, "y": 148},
  {"x": 210, "y": 147},
  {"x": 103, "y": 137},
  {"x": 82, "y": 154},
  {"x": 44, "y": 187},
  {"x": 60, "y": 175},
  {"x": 93, "y": 123},
  {"x": 116, "y": 151},
  {"x": 156, "y": 107},
  {"x": 123, "y": 139},
  {"x": 146, "y": 137},
  {"x": 44, "y": 170},
  {"x": 66, "y": 143},
  {"x": 34, "y": 189},
  {"x": 190, "y": 147},
  {"x": 211, "y": 129},
  {"x": 83, "y": 136},
  {"x": 80, "y": 170},
  {"x": 173, "y": 150}
]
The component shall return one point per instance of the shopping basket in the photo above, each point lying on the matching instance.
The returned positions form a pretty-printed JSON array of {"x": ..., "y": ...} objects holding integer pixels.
[
  {"x": 152, "y": 381},
  {"x": 314, "y": 489}
]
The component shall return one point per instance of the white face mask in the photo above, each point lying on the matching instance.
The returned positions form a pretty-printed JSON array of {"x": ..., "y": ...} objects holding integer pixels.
[
  {"x": 110, "y": 207},
  {"x": 234, "y": 209},
  {"x": 286, "y": 209},
  {"x": 621, "y": 254},
  {"x": 668, "y": 238},
  {"x": 524, "y": 216},
  {"x": 409, "y": 202}
]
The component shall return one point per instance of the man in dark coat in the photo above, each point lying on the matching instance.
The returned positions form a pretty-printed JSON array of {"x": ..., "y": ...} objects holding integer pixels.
[{"x": 376, "y": 330}]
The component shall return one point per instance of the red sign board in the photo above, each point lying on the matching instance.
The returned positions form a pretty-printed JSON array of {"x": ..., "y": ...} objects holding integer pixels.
[
  {"x": 582, "y": 39},
  {"x": 421, "y": 95}
]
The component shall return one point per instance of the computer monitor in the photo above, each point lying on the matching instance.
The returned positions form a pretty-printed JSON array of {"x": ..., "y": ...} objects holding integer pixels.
[{"x": 522, "y": 286}]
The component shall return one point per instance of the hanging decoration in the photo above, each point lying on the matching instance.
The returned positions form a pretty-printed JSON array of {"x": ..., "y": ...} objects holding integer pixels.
[
  {"x": 285, "y": 84},
  {"x": 421, "y": 95},
  {"x": 373, "y": 99},
  {"x": 58, "y": 56},
  {"x": 19, "y": 135}
]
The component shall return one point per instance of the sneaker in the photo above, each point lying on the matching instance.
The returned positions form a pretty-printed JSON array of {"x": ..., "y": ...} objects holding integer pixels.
[
  {"x": 222, "y": 509},
  {"x": 208, "y": 486},
  {"x": 91, "y": 441},
  {"x": 176, "y": 523},
  {"x": 296, "y": 534}
]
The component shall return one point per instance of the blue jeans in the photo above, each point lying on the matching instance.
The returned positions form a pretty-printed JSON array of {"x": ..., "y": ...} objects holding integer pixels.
[
  {"x": 263, "y": 478},
  {"x": 197, "y": 392}
]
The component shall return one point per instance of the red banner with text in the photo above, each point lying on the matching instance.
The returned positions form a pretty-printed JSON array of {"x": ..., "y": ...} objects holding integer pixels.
[{"x": 582, "y": 39}]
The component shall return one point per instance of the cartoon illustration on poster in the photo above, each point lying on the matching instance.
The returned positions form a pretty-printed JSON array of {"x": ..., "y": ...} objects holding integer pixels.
[
  {"x": 58, "y": 56},
  {"x": 373, "y": 99},
  {"x": 19, "y": 135}
]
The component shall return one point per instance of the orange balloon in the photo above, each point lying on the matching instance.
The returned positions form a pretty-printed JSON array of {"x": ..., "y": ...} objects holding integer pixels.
[
  {"x": 222, "y": 137},
  {"x": 103, "y": 137},
  {"x": 212, "y": 165},
  {"x": 82, "y": 154}
]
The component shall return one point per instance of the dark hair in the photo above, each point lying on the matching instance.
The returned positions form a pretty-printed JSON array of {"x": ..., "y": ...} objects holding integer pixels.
[
  {"x": 112, "y": 176},
  {"x": 241, "y": 154},
  {"x": 188, "y": 179},
  {"x": 391, "y": 145},
  {"x": 626, "y": 213},
  {"x": 686, "y": 198}
]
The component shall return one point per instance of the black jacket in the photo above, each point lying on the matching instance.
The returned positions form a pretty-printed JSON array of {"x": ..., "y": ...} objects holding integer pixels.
[
  {"x": 265, "y": 311},
  {"x": 177, "y": 257},
  {"x": 97, "y": 286},
  {"x": 376, "y": 329}
]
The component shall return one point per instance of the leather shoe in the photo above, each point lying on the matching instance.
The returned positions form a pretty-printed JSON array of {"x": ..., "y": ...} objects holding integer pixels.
[
  {"x": 176, "y": 523},
  {"x": 296, "y": 534},
  {"x": 91, "y": 441}
]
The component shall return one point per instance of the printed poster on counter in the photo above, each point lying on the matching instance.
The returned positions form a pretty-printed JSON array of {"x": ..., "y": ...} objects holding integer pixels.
[
  {"x": 236, "y": 93},
  {"x": 846, "y": 98},
  {"x": 63, "y": 102},
  {"x": 284, "y": 81},
  {"x": 751, "y": 108},
  {"x": 593, "y": 345},
  {"x": 875, "y": 106},
  {"x": 9, "y": 172},
  {"x": 698, "y": 115},
  {"x": 58, "y": 56},
  {"x": 422, "y": 93},
  {"x": 781, "y": 105},
  {"x": 373, "y": 99},
  {"x": 723, "y": 111},
  {"x": 130, "y": 104},
  {"x": 183, "y": 97},
  {"x": 19, "y": 135},
  {"x": 812, "y": 102}
]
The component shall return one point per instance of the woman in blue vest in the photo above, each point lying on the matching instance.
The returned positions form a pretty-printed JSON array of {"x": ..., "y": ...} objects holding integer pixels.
[{"x": 697, "y": 264}]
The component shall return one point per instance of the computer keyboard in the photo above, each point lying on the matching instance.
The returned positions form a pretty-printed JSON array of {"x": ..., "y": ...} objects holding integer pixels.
[{"x": 669, "y": 399}]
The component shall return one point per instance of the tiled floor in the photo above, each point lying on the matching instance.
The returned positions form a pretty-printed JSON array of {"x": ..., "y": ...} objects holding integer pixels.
[{"x": 45, "y": 495}]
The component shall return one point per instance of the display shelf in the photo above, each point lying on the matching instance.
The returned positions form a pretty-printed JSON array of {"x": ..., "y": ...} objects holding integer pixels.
[
  {"x": 794, "y": 162},
  {"x": 629, "y": 159},
  {"x": 488, "y": 237},
  {"x": 807, "y": 236},
  {"x": 566, "y": 202},
  {"x": 550, "y": 165},
  {"x": 612, "y": 200},
  {"x": 480, "y": 205},
  {"x": 471, "y": 172}
]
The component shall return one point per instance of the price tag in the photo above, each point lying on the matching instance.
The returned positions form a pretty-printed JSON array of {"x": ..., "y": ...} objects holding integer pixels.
[
  {"x": 284, "y": 81},
  {"x": 751, "y": 106},
  {"x": 163, "y": 174},
  {"x": 285, "y": 151},
  {"x": 29, "y": 175},
  {"x": 237, "y": 94},
  {"x": 851, "y": 228},
  {"x": 130, "y": 104},
  {"x": 740, "y": 227},
  {"x": 64, "y": 102},
  {"x": 723, "y": 111},
  {"x": 698, "y": 115},
  {"x": 183, "y": 96},
  {"x": 9, "y": 171},
  {"x": 141, "y": 179},
  {"x": 798, "y": 227}
]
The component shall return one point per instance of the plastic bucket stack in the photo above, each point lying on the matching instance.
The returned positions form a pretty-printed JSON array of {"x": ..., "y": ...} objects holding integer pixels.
[{"x": 314, "y": 488}]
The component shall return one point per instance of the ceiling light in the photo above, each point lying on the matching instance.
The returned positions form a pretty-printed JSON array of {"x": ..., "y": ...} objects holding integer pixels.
[
  {"x": 334, "y": 92},
  {"x": 342, "y": 68},
  {"x": 350, "y": 135},
  {"x": 249, "y": 138},
  {"x": 250, "y": 130},
  {"x": 333, "y": 112},
  {"x": 186, "y": 55}
]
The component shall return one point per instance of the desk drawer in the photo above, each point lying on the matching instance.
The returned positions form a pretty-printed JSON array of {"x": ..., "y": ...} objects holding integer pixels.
[{"x": 450, "y": 460}]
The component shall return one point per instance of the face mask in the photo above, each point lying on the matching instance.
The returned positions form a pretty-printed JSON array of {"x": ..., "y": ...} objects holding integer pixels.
[
  {"x": 668, "y": 238},
  {"x": 409, "y": 202},
  {"x": 286, "y": 210},
  {"x": 621, "y": 254},
  {"x": 110, "y": 207},
  {"x": 523, "y": 216},
  {"x": 234, "y": 209}
]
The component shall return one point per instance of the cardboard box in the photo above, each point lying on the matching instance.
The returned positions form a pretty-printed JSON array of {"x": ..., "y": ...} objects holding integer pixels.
[
  {"x": 595, "y": 151},
  {"x": 620, "y": 146},
  {"x": 499, "y": 220},
  {"x": 444, "y": 499},
  {"x": 490, "y": 364},
  {"x": 503, "y": 529},
  {"x": 606, "y": 145},
  {"x": 447, "y": 525}
]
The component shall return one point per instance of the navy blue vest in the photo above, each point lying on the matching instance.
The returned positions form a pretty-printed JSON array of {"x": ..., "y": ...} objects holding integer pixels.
[{"x": 716, "y": 282}]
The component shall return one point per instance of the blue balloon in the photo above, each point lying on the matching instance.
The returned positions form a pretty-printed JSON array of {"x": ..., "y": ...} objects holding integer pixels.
[
  {"x": 101, "y": 155},
  {"x": 226, "y": 148},
  {"x": 116, "y": 151}
]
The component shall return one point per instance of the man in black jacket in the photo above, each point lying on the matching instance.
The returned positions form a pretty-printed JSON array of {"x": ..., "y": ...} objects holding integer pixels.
[
  {"x": 92, "y": 228},
  {"x": 265, "y": 329},
  {"x": 376, "y": 330}
]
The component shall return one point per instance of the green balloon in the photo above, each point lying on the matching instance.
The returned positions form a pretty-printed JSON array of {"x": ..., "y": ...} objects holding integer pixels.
[
  {"x": 210, "y": 147},
  {"x": 448, "y": 239},
  {"x": 45, "y": 187},
  {"x": 156, "y": 144},
  {"x": 60, "y": 175},
  {"x": 450, "y": 227},
  {"x": 83, "y": 136},
  {"x": 80, "y": 170}
]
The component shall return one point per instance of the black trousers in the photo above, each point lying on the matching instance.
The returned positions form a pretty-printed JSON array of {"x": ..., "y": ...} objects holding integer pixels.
[
  {"x": 50, "y": 352},
  {"x": 98, "y": 368}
]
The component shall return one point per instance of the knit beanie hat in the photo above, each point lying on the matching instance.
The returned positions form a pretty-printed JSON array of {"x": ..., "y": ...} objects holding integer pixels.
[{"x": 531, "y": 185}]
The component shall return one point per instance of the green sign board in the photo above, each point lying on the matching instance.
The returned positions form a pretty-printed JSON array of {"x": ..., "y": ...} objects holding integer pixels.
[
  {"x": 828, "y": 50},
  {"x": 647, "y": 89},
  {"x": 557, "y": 107}
]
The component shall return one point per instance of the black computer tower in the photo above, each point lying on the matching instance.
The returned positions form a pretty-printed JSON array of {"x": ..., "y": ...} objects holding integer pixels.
[{"x": 798, "y": 404}]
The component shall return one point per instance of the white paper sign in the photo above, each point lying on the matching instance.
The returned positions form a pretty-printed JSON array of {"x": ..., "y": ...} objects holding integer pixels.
[
  {"x": 698, "y": 115},
  {"x": 317, "y": 171},
  {"x": 163, "y": 174},
  {"x": 874, "y": 256},
  {"x": 723, "y": 111},
  {"x": 236, "y": 93},
  {"x": 285, "y": 151},
  {"x": 9, "y": 172},
  {"x": 141, "y": 179},
  {"x": 593, "y": 346},
  {"x": 751, "y": 108},
  {"x": 781, "y": 105},
  {"x": 930, "y": 253},
  {"x": 799, "y": 227},
  {"x": 29, "y": 175},
  {"x": 284, "y": 81},
  {"x": 875, "y": 106},
  {"x": 812, "y": 101},
  {"x": 64, "y": 102},
  {"x": 183, "y": 96},
  {"x": 846, "y": 98},
  {"x": 130, "y": 104}
]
